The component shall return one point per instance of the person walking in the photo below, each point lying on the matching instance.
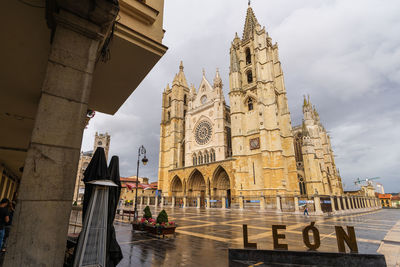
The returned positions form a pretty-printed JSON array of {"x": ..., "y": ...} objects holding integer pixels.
[
  {"x": 4, "y": 218},
  {"x": 11, "y": 208},
  {"x": 306, "y": 210}
]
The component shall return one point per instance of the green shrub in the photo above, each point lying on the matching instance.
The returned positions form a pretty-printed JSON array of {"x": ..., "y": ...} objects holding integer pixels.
[
  {"x": 162, "y": 217},
  {"x": 147, "y": 213}
]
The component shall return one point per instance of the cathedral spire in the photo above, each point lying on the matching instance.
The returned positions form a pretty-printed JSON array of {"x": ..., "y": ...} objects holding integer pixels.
[
  {"x": 180, "y": 77},
  {"x": 217, "y": 80},
  {"x": 250, "y": 24},
  {"x": 192, "y": 90}
]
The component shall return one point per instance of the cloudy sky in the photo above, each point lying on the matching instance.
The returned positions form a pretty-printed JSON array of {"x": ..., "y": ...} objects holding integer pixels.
[{"x": 345, "y": 54}]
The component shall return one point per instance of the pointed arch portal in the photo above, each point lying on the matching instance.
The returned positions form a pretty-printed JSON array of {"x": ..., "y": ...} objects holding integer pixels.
[
  {"x": 196, "y": 186},
  {"x": 220, "y": 186},
  {"x": 176, "y": 187}
]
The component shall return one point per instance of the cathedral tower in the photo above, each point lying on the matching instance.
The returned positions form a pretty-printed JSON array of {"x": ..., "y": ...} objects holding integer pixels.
[
  {"x": 102, "y": 140},
  {"x": 262, "y": 138},
  {"x": 174, "y": 107},
  {"x": 314, "y": 156}
]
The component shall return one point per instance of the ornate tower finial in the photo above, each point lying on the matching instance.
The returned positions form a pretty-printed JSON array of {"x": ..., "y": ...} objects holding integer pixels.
[
  {"x": 181, "y": 66},
  {"x": 204, "y": 72},
  {"x": 250, "y": 24},
  {"x": 217, "y": 80},
  {"x": 248, "y": 3}
]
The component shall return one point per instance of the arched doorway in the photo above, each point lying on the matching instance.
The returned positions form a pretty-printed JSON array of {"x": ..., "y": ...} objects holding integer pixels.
[
  {"x": 196, "y": 188},
  {"x": 177, "y": 190},
  {"x": 220, "y": 187}
]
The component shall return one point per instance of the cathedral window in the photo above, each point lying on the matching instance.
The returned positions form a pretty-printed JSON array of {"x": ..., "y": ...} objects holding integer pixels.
[
  {"x": 203, "y": 99},
  {"x": 169, "y": 101},
  {"x": 302, "y": 186},
  {"x": 169, "y": 115},
  {"x": 212, "y": 155},
  {"x": 249, "y": 77},
  {"x": 250, "y": 104},
  {"x": 184, "y": 113},
  {"x": 248, "y": 56},
  {"x": 207, "y": 157},
  {"x": 184, "y": 100},
  {"x": 194, "y": 160}
]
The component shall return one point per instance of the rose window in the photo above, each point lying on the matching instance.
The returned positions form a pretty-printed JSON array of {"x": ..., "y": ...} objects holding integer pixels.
[{"x": 203, "y": 132}]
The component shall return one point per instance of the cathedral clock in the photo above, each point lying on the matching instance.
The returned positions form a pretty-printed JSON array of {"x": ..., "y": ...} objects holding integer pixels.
[
  {"x": 203, "y": 132},
  {"x": 255, "y": 143}
]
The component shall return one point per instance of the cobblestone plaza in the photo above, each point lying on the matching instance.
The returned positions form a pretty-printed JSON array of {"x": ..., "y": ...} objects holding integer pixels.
[{"x": 203, "y": 236}]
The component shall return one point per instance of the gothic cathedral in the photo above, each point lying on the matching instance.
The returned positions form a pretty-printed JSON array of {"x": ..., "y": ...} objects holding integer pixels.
[{"x": 210, "y": 151}]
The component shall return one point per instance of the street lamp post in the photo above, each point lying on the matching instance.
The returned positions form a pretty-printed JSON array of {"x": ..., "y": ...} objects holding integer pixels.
[{"x": 141, "y": 151}]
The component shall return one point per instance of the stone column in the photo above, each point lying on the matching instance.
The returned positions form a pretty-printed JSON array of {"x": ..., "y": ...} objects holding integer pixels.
[
  {"x": 353, "y": 203},
  {"x": 162, "y": 202},
  {"x": 46, "y": 191},
  {"x": 208, "y": 202},
  {"x": 278, "y": 204},
  {"x": 262, "y": 203},
  {"x": 241, "y": 200},
  {"x": 348, "y": 202},
  {"x": 333, "y": 204},
  {"x": 339, "y": 203},
  {"x": 198, "y": 203},
  {"x": 173, "y": 201},
  {"x": 184, "y": 201},
  {"x": 364, "y": 202},
  {"x": 155, "y": 202},
  {"x": 296, "y": 205},
  {"x": 223, "y": 202},
  {"x": 317, "y": 203},
  {"x": 141, "y": 200},
  {"x": 148, "y": 201}
]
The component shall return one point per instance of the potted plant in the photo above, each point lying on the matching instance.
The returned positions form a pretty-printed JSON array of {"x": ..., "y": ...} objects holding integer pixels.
[
  {"x": 147, "y": 217},
  {"x": 162, "y": 226}
]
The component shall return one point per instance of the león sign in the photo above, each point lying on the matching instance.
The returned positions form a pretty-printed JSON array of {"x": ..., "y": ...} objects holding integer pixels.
[{"x": 341, "y": 238}]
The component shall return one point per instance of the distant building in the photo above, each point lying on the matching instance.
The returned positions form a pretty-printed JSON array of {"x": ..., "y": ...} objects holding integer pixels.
[
  {"x": 100, "y": 140},
  {"x": 128, "y": 190},
  {"x": 396, "y": 201},
  {"x": 386, "y": 200},
  {"x": 379, "y": 188}
]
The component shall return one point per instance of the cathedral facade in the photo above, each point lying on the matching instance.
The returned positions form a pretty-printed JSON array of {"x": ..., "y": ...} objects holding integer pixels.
[{"x": 211, "y": 151}]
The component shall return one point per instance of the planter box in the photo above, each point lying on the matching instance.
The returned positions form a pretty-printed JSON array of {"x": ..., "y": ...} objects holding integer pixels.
[
  {"x": 138, "y": 226},
  {"x": 153, "y": 229},
  {"x": 159, "y": 231}
]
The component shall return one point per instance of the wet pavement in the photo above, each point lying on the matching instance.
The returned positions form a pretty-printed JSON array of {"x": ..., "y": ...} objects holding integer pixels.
[{"x": 203, "y": 236}]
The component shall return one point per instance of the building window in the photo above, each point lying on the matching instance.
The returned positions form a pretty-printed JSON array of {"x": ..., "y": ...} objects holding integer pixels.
[
  {"x": 169, "y": 115},
  {"x": 249, "y": 77},
  {"x": 248, "y": 56},
  {"x": 302, "y": 186},
  {"x": 184, "y": 113},
  {"x": 250, "y": 104},
  {"x": 207, "y": 157},
  {"x": 169, "y": 101},
  {"x": 184, "y": 100},
  {"x": 212, "y": 155},
  {"x": 194, "y": 160}
]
